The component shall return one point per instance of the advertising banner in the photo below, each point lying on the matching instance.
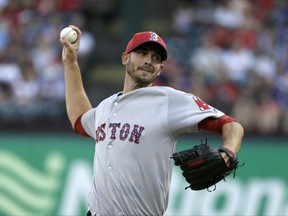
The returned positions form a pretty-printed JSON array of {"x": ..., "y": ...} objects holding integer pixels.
[{"x": 51, "y": 175}]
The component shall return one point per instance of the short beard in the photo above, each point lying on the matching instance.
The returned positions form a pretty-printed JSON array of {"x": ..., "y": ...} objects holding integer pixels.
[{"x": 140, "y": 81}]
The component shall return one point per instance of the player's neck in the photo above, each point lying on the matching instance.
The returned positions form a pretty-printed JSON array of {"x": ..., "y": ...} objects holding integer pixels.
[{"x": 131, "y": 85}]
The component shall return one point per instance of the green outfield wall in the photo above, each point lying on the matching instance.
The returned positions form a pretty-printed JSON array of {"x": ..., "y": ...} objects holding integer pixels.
[{"x": 42, "y": 174}]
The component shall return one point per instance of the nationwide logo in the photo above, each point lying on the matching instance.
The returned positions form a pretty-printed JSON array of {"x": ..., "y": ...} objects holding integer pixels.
[{"x": 26, "y": 190}]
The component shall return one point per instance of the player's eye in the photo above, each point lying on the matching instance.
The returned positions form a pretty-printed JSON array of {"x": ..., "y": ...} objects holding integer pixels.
[
  {"x": 157, "y": 58},
  {"x": 141, "y": 52}
]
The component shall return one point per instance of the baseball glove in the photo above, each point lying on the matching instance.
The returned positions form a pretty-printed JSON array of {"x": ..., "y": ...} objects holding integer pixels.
[{"x": 203, "y": 166}]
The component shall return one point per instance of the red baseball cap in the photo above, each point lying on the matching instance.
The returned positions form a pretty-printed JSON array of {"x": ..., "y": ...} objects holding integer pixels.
[{"x": 147, "y": 37}]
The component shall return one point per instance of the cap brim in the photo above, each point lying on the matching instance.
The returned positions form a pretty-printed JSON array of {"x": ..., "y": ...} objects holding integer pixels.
[{"x": 162, "y": 50}]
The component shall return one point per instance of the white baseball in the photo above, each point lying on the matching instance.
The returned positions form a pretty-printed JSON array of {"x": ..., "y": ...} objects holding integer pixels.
[{"x": 68, "y": 34}]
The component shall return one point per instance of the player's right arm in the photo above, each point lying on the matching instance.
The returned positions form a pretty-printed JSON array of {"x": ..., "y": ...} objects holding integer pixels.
[{"x": 76, "y": 98}]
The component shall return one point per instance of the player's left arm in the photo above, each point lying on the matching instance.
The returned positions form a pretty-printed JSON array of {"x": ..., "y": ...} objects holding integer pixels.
[{"x": 230, "y": 129}]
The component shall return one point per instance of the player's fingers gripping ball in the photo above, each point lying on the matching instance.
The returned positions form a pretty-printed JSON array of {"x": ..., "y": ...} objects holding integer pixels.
[
  {"x": 69, "y": 34},
  {"x": 204, "y": 166}
]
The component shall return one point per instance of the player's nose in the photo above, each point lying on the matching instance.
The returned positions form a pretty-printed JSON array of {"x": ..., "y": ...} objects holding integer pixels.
[{"x": 148, "y": 59}]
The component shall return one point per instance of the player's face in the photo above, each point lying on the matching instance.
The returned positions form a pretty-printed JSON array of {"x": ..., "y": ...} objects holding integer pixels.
[{"x": 144, "y": 64}]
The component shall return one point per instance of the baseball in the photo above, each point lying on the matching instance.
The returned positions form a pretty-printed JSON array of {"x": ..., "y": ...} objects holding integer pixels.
[{"x": 68, "y": 34}]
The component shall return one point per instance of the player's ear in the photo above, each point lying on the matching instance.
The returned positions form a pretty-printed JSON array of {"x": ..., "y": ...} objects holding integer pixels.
[
  {"x": 161, "y": 69},
  {"x": 125, "y": 58}
]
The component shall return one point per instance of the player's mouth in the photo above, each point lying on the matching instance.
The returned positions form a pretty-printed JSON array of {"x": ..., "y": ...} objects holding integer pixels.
[{"x": 146, "y": 68}]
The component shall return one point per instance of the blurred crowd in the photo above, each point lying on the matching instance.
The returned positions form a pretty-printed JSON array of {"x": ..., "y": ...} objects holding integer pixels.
[
  {"x": 231, "y": 53},
  {"x": 31, "y": 71},
  {"x": 234, "y": 55}
]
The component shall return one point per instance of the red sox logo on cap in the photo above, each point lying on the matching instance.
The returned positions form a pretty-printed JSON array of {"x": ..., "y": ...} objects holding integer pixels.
[{"x": 154, "y": 36}]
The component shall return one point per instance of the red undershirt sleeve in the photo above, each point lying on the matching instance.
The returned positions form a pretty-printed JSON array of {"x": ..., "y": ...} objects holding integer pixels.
[
  {"x": 78, "y": 127},
  {"x": 215, "y": 124}
]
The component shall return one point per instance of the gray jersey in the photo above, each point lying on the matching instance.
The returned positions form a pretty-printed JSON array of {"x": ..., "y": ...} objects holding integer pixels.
[{"x": 136, "y": 133}]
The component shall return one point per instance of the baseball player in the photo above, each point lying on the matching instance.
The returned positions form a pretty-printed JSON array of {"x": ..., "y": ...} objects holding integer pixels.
[{"x": 136, "y": 130}]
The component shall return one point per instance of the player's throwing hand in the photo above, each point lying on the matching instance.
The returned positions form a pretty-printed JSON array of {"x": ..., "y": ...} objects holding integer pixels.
[{"x": 70, "y": 51}]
